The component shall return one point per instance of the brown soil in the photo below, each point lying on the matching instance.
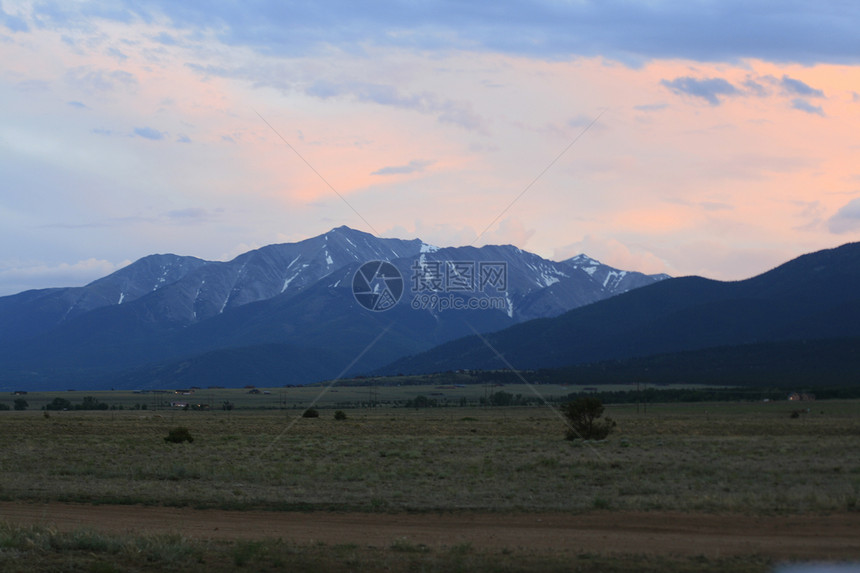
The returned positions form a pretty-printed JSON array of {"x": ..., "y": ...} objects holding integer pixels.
[{"x": 652, "y": 533}]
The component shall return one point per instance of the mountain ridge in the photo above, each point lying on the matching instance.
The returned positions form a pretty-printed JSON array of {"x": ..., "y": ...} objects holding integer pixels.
[
  {"x": 814, "y": 296},
  {"x": 169, "y": 307}
]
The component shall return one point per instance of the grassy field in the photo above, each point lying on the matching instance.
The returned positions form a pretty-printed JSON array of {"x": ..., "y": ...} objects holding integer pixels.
[
  {"x": 744, "y": 458},
  {"x": 749, "y": 457}
]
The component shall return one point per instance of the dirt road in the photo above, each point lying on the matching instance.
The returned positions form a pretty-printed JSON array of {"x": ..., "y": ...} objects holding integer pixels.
[{"x": 801, "y": 537}]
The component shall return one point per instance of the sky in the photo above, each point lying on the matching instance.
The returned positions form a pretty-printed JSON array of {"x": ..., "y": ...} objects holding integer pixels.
[{"x": 715, "y": 138}]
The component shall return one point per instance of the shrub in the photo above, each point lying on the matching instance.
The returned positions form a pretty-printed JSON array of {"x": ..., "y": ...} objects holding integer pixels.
[
  {"x": 179, "y": 435},
  {"x": 501, "y": 399},
  {"x": 90, "y": 403},
  {"x": 421, "y": 401},
  {"x": 4, "y": 406},
  {"x": 21, "y": 404},
  {"x": 340, "y": 415},
  {"x": 310, "y": 413},
  {"x": 583, "y": 417},
  {"x": 58, "y": 404}
]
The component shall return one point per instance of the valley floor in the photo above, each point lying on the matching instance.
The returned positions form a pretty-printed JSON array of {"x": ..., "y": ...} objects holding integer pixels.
[{"x": 683, "y": 487}]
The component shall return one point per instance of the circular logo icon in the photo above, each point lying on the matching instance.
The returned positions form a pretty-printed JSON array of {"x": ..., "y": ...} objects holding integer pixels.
[{"x": 377, "y": 285}]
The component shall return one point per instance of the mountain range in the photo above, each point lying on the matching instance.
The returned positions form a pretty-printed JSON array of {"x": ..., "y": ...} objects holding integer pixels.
[
  {"x": 807, "y": 307},
  {"x": 281, "y": 314}
]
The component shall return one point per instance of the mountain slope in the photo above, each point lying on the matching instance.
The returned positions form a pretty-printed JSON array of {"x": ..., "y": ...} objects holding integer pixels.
[
  {"x": 801, "y": 364},
  {"x": 816, "y": 296},
  {"x": 30, "y": 313},
  {"x": 165, "y": 308}
]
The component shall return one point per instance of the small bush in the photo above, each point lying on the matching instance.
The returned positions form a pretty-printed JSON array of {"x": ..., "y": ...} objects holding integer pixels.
[
  {"x": 179, "y": 435},
  {"x": 340, "y": 415},
  {"x": 582, "y": 415},
  {"x": 310, "y": 413}
]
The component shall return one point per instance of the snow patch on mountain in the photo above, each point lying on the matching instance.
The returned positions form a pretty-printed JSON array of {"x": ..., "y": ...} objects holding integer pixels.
[{"x": 615, "y": 276}]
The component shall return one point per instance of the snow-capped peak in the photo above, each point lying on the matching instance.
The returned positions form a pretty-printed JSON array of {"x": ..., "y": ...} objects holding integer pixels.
[{"x": 583, "y": 260}]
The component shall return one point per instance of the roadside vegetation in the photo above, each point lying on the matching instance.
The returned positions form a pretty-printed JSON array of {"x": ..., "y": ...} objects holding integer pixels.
[{"x": 28, "y": 549}]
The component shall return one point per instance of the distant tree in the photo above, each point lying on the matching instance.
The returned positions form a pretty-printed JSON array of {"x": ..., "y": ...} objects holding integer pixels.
[
  {"x": 583, "y": 415},
  {"x": 340, "y": 415},
  {"x": 501, "y": 399},
  {"x": 58, "y": 404},
  {"x": 4, "y": 406},
  {"x": 421, "y": 401},
  {"x": 311, "y": 413},
  {"x": 90, "y": 403},
  {"x": 21, "y": 404}
]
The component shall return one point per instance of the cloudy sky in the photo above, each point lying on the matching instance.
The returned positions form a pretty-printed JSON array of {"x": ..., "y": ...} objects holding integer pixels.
[{"x": 717, "y": 138}]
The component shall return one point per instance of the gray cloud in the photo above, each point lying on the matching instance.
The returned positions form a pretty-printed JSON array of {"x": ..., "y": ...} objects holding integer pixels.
[
  {"x": 631, "y": 32},
  {"x": 192, "y": 215},
  {"x": 414, "y": 166},
  {"x": 77, "y": 105},
  {"x": 116, "y": 53},
  {"x": 165, "y": 39},
  {"x": 149, "y": 133},
  {"x": 797, "y": 87},
  {"x": 581, "y": 120},
  {"x": 755, "y": 88},
  {"x": 708, "y": 89},
  {"x": 803, "y": 105},
  {"x": 33, "y": 86},
  {"x": 100, "y": 81},
  {"x": 13, "y": 23},
  {"x": 846, "y": 219},
  {"x": 446, "y": 111}
]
